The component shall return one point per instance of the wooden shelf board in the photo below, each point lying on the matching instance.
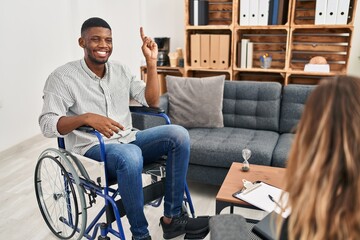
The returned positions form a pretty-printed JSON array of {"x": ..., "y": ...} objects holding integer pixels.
[
  {"x": 271, "y": 70},
  {"x": 209, "y": 27}
]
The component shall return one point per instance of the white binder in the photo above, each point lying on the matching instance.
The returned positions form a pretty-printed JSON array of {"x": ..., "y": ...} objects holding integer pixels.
[
  {"x": 244, "y": 12},
  {"x": 331, "y": 11},
  {"x": 244, "y": 43},
  {"x": 320, "y": 12},
  {"x": 254, "y": 11},
  {"x": 342, "y": 12},
  {"x": 263, "y": 14}
]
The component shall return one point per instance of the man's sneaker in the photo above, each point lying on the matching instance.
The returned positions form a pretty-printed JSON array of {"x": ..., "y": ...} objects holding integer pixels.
[{"x": 184, "y": 224}]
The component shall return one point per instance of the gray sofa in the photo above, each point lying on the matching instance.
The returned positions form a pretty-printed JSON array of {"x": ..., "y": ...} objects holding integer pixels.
[{"x": 258, "y": 115}]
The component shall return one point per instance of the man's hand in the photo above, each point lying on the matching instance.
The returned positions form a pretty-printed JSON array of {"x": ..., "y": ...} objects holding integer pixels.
[
  {"x": 149, "y": 47},
  {"x": 104, "y": 125}
]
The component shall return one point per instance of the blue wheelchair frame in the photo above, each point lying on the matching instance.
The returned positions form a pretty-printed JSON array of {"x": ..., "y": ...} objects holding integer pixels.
[{"x": 109, "y": 194}]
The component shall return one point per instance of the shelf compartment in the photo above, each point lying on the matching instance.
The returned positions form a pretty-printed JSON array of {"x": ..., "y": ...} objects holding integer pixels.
[
  {"x": 305, "y": 79},
  {"x": 199, "y": 73},
  {"x": 283, "y": 18},
  {"x": 271, "y": 41},
  {"x": 260, "y": 76},
  {"x": 220, "y": 12},
  {"x": 304, "y": 12},
  {"x": 332, "y": 44},
  {"x": 190, "y": 32}
]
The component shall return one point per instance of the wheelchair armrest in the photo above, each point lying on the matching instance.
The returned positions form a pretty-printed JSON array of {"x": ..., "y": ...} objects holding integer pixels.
[
  {"x": 86, "y": 129},
  {"x": 157, "y": 112},
  {"x": 143, "y": 109}
]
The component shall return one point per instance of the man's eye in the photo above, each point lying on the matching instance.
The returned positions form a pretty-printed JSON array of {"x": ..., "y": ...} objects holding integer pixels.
[{"x": 109, "y": 40}]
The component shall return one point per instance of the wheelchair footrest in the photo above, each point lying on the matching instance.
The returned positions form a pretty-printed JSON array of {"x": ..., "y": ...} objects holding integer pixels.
[{"x": 152, "y": 192}]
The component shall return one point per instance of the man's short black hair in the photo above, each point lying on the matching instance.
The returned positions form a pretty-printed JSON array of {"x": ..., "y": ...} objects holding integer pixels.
[{"x": 94, "y": 22}]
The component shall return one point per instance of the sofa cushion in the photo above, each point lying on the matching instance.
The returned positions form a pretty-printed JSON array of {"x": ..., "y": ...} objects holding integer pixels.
[
  {"x": 252, "y": 105},
  {"x": 282, "y": 149},
  {"x": 220, "y": 147},
  {"x": 294, "y": 97},
  {"x": 196, "y": 102}
]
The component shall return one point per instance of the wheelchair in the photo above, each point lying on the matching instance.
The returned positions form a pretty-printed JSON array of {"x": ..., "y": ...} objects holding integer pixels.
[{"x": 65, "y": 190}]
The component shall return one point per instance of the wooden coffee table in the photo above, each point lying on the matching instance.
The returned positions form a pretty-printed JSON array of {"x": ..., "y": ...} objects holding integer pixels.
[{"x": 233, "y": 183}]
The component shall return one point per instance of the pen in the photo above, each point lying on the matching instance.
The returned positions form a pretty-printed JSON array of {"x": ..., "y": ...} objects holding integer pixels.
[{"x": 272, "y": 199}]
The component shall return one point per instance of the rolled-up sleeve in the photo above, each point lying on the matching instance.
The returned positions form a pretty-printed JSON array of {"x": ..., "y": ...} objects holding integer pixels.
[{"x": 56, "y": 102}]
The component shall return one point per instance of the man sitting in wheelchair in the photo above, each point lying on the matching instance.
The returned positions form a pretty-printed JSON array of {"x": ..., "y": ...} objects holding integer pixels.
[{"x": 95, "y": 92}]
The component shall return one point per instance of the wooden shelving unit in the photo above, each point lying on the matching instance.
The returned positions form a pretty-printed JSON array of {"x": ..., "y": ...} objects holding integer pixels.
[{"x": 291, "y": 44}]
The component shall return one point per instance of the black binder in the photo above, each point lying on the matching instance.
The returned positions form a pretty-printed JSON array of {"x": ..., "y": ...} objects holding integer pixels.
[{"x": 201, "y": 16}]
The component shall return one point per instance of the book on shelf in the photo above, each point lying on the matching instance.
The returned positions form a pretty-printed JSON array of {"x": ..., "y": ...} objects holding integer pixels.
[
  {"x": 249, "y": 57},
  {"x": 245, "y": 55},
  {"x": 243, "y": 58}
]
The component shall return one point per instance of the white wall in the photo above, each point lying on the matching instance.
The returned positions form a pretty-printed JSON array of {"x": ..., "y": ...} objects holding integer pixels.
[
  {"x": 39, "y": 35},
  {"x": 164, "y": 18}
]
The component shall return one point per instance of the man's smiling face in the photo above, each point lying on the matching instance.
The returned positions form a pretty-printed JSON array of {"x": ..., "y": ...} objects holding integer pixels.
[{"x": 97, "y": 44}]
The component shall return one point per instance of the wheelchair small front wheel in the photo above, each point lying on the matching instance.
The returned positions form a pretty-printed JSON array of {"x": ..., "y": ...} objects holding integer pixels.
[{"x": 57, "y": 195}]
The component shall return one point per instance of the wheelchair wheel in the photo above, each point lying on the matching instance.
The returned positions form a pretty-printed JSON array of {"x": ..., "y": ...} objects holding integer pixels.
[{"x": 59, "y": 195}]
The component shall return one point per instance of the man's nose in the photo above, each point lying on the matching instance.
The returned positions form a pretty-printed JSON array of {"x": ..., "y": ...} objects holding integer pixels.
[{"x": 103, "y": 43}]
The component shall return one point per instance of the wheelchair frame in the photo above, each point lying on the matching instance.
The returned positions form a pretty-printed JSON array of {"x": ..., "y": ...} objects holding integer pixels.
[{"x": 73, "y": 183}]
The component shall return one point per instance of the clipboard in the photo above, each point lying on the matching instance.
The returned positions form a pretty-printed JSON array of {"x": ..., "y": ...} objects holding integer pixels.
[{"x": 264, "y": 196}]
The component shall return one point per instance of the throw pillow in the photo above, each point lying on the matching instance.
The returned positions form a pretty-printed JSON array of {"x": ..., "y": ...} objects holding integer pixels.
[{"x": 196, "y": 102}]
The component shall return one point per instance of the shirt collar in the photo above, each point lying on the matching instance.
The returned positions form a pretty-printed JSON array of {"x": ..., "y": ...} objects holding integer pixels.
[{"x": 91, "y": 73}]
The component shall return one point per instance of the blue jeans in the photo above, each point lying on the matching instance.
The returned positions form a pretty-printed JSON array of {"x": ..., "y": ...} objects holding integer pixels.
[{"x": 125, "y": 162}]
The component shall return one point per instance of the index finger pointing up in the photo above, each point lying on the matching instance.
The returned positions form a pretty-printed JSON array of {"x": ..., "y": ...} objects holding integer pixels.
[{"x": 142, "y": 33}]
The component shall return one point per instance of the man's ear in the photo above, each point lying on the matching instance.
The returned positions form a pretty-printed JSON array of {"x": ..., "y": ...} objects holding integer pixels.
[{"x": 81, "y": 42}]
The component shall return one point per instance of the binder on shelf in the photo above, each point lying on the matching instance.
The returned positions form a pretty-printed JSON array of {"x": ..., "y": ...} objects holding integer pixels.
[
  {"x": 199, "y": 12},
  {"x": 215, "y": 50},
  {"x": 204, "y": 50},
  {"x": 275, "y": 12},
  {"x": 281, "y": 12},
  {"x": 244, "y": 12},
  {"x": 254, "y": 12},
  {"x": 263, "y": 15},
  {"x": 224, "y": 52},
  {"x": 320, "y": 12},
  {"x": 244, "y": 43},
  {"x": 195, "y": 50},
  {"x": 331, "y": 11},
  {"x": 249, "y": 57},
  {"x": 343, "y": 12}
]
